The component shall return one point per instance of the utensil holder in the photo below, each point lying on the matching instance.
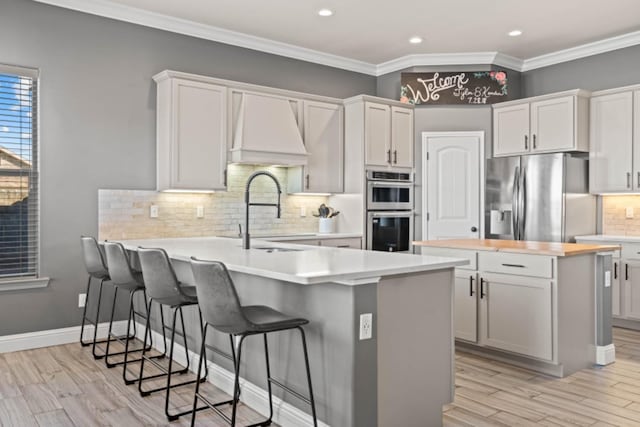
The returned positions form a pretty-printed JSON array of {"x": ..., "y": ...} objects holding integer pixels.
[{"x": 326, "y": 225}]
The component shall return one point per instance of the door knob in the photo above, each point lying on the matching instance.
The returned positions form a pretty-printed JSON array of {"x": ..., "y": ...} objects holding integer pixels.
[{"x": 474, "y": 229}]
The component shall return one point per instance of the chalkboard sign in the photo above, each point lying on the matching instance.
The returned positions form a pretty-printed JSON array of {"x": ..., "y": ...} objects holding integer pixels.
[{"x": 467, "y": 87}]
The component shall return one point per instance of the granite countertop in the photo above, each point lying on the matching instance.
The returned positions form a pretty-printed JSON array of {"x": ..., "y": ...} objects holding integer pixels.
[
  {"x": 519, "y": 246},
  {"x": 305, "y": 264}
]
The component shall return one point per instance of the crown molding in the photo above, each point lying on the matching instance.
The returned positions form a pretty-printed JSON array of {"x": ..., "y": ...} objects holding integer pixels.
[
  {"x": 109, "y": 9},
  {"x": 146, "y": 18},
  {"x": 582, "y": 51}
]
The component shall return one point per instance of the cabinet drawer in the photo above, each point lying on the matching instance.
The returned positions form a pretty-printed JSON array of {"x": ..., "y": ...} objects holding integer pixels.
[
  {"x": 630, "y": 251},
  {"x": 471, "y": 256},
  {"x": 353, "y": 243},
  {"x": 520, "y": 264}
]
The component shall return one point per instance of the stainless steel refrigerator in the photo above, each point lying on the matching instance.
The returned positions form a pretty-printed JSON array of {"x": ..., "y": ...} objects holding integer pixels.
[{"x": 540, "y": 197}]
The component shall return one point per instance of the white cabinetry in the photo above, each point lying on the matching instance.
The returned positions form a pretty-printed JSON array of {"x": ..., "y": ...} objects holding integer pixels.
[
  {"x": 323, "y": 138},
  {"x": 191, "y": 135},
  {"x": 402, "y": 137},
  {"x": 615, "y": 150},
  {"x": 466, "y": 305},
  {"x": 377, "y": 134},
  {"x": 545, "y": 124}
]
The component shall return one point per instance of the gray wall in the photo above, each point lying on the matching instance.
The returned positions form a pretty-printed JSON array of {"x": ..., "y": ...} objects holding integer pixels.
[
  {"x": 98, "y": 125},
  {"x": 608, "y": 70},
  {"x": 444, "y": 118}
]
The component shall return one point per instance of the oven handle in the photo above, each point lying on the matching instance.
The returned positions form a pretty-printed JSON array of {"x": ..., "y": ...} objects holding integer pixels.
[
  {"x": 394, "y": 184},
  {"x": 401, "y": 214}
]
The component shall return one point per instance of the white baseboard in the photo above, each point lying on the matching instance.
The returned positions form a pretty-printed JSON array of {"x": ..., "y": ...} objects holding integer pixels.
[
  {"x": 31, "y": 340},
  {"x": 253, "y": 396},
  {"x": 606, "y": 354}
]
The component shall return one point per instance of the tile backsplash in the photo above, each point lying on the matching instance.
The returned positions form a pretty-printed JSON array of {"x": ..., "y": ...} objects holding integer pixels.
[
  {"x": 614, "y": 220},
  {"x": 124, "y": 214}
]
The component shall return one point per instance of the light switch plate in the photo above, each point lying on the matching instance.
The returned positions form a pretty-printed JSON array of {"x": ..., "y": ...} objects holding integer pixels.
[
  {"x": 607, "y": 279},
  {"x": 153, "y": 211},
  {"x": 629, "y": 212},
  {"x": 366, "y": 326},
  {"x": 199, "y": 211}
]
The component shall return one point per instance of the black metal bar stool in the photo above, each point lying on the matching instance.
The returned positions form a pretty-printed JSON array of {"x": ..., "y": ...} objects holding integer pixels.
[
  {"x": 97, "y": 269},
  {"x": 164, "y": 289},
  {"x": 220, "y": 305},
  {"x": 126, "y": 279}
]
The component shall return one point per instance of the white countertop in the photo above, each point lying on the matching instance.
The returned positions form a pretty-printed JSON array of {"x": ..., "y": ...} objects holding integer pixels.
[
  {"x": 313, "y": 264},
  {"x": 609, "y": 238}
]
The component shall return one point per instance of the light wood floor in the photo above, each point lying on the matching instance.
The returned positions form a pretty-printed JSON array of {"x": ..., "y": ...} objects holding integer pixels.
[{"x": 64, "y": 386}]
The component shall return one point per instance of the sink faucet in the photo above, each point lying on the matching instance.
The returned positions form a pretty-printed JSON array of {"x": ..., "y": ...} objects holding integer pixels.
[{"x": 245, "y": 237}]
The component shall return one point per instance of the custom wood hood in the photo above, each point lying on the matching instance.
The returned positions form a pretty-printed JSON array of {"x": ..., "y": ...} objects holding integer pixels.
[{"x": 518, "y": 246}]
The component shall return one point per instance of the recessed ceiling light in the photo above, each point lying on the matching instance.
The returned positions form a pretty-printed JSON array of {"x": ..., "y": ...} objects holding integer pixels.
[
  {"x": 415, "y": 40},
  {"x": 325, "y": 12},
  {"x": 515, "y": 33}
]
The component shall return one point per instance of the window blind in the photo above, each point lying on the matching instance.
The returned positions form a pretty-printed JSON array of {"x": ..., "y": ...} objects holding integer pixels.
[{"x": 19, "y": 198}]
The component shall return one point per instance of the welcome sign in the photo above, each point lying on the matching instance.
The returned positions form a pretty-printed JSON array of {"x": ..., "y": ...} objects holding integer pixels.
[{"x": 468, "y": 87}]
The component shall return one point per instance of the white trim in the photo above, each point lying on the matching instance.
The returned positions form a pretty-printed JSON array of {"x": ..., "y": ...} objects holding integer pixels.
[
  {"x": 21, "y": 284},
  {"x": 255, "y": 397},
  {"x": 582, "y": 51},
  {"x": 33, "y": 73},
  {"x": 433, "y": 59},
  {"x": 31, "y": 340},
  {"x": 605, "y": 355},
  {"x": 425, "y": 172}
]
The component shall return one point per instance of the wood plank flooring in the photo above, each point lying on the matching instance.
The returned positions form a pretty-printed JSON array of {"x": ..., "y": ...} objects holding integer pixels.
[{"x": 64, "y": 386}]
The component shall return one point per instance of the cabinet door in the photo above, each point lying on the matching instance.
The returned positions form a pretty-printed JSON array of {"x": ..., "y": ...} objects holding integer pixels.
[
  {"x": 636, "y": 140},
  {"x": 511, "y": 130},
  {"x": 323, "y": 139},
  {"x": 611, "y": 138},
  {"x": 402, "y": 137},
  {"x": 615, "y": 288},
  {"x": 552, "y": 124},
  {"x": 377, "y": 134},
  {"x": 199, "y": 128},
  {"x": 466, "y": 306},
  {"x": 517, "y": 314},
  {"x": 631, "y": 277}
]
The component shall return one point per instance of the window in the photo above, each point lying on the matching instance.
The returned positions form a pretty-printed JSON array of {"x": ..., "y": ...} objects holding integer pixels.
[{"x": 19, "y": 207}]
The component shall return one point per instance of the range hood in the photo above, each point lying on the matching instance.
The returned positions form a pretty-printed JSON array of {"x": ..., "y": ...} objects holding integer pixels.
[{"x": 267, "y": 132}]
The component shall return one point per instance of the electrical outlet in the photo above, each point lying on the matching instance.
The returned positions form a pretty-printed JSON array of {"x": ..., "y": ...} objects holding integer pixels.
[
  {"x": 199, "y": 211},
  {"x": 366, "y": 326},
  {"x": 153, "y": 211},
  {"x": 82, "y": 300},
  {"x": 629, "y": 212},
  {"x": 303, "y": 211}
]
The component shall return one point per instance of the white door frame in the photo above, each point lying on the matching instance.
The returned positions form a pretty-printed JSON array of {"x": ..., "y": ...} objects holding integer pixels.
[{"x": 425, "y": 173}]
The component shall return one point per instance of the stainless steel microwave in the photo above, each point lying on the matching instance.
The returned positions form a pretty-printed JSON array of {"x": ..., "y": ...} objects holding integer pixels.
[{"x": 389, "y": 191}]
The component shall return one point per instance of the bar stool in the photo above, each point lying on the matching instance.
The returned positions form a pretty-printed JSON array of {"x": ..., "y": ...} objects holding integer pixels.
[
  {"x": 221, "y": 308},
  {"x": 97, "y": 269},
  {"x": 164, "y": 289},
  {"x": 126, "y": 279}
]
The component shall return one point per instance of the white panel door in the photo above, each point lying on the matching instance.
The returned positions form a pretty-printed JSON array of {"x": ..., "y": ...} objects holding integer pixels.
[
  {"x": 511, "y": 130},
  {"x": 402, "y": 137},
  {"x": 323, "y": 139},
  {"x": 552, "y": 124},
  {"x": 453, "y": 185},
  {"x": 466, "y": 306},
  {"x": 377, "y": 134},
  {"x": 611, "y": 140}
]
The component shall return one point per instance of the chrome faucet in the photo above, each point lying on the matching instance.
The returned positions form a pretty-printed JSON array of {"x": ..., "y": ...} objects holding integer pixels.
[{"x": 245, "y": 237}]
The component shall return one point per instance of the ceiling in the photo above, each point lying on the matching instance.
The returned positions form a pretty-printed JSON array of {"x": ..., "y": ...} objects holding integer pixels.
[{"x": 374, "y": 32}]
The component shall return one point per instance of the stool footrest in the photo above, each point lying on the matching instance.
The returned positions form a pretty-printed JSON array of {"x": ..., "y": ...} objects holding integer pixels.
[
  {"x": 287, "y": 389},
  {"x": 164, "y": 388}
]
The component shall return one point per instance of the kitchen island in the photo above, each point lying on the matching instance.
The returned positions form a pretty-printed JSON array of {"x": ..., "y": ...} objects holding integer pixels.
[
  {"x": 402, "y": 375},
  {"x": 545, "y": 306}
]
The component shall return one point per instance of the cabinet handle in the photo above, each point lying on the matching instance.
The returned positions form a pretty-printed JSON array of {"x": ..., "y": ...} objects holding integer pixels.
[
  {"x": 307, "y": 182},
  {"x": 534, "y": 141},
  {"x": 628, "y": 179},
  {"x": 471, "y": 286},
  {"x": 514, "y": 265},
  {"x": 225, "y": 178},
  {"x": 526, "y": 142},
  {"x": 481, "y": 288},
  {"x": 626, "y": 272},
  {"x": 638, "y": 179},
  {"x": 395, "y": 159},
  {"x": 615, "y": 270},
  {"x": 389, "y": 156}
]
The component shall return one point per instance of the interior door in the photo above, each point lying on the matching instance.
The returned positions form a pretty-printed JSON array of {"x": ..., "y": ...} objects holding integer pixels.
[{"x": 453, "y": 184}]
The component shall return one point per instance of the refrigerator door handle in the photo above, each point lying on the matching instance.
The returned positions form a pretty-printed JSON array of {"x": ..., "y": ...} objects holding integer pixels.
[
  {"x": 522, "y": 210},
  {"x": 514, "y": 203}
]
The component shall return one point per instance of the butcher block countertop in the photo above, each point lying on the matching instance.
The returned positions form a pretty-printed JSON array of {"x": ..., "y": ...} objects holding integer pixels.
[{"x": 518, "y": 246}]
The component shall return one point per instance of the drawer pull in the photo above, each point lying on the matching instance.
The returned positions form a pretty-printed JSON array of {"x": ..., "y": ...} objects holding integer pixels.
[
  {"x": 471, "y": 286},
  {"x": 514, "y": 265},
  {"x": 481, "y": 288},
  {"x": 615, "y": 270},
  {"x": 626, "y": 272},
  {"x": 343, "y": 246}
]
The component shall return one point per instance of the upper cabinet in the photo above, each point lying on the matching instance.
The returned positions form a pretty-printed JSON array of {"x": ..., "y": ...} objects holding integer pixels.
[
  {"x": 615, "y": 141},
  {"x": 191, "y": 135},
  {"x": 545, "y": 124},
  {"x": 323, "y": 136}
]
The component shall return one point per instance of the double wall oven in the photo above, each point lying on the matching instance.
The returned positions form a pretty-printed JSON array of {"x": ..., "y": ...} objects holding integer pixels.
[{"x": 389, "y": 211}]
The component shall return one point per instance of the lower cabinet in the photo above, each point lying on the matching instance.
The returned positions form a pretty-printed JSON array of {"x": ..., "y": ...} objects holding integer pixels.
[
  {"x": 516, "y": 312},
  {"x": 466, "y": 305},
  {"x": 632, "y": 289},
  {"x": 616, "y": 296},
  {"x": 349, "y": 242}
]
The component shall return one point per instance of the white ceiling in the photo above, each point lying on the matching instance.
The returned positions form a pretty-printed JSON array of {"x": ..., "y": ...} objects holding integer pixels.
[{"x": 376, "y": 32}]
